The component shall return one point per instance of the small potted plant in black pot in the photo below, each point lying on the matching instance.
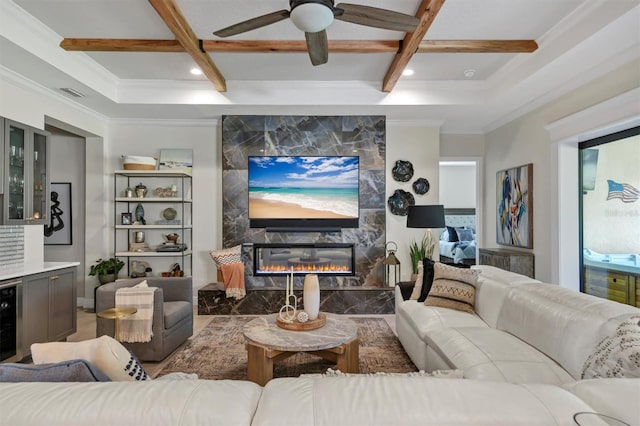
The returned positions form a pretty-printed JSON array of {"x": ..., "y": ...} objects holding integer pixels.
[{"x": 106, "y": 270}]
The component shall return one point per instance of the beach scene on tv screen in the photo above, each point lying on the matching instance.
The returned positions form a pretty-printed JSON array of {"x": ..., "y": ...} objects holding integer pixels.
[{"x": 303, "y": 187}]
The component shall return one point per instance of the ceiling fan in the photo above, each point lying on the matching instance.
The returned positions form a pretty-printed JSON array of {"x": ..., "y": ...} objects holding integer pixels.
[{"x": 314, "y": 16}]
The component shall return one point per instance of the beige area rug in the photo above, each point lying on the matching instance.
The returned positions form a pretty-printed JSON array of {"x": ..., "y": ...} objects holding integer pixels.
[{"x": 218, "y": 352}]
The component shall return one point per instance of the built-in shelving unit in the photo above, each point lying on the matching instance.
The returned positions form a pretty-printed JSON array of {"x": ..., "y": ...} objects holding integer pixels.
[{"x": 156, "y": 227}]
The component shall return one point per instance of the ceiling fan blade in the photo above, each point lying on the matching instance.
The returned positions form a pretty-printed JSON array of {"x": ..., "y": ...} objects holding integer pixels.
[
  {"x": 318, "y": 47},
  {"x": 252, "y": 24},
  {"x": 375, "y": 17}
]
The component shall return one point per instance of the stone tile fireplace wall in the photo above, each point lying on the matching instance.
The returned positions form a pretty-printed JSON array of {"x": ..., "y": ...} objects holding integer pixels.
[{"x": 365, "y": 136}]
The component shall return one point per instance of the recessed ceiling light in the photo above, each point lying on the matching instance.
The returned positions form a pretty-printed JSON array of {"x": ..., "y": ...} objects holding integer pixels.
[
  {"x": 196, "y": 71},
  {"x": 469, "y": 73},
  {"x": 407, "y": 72}
]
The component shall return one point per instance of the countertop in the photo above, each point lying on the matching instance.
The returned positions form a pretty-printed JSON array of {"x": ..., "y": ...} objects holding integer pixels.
[{"x": 20, "y": 270}]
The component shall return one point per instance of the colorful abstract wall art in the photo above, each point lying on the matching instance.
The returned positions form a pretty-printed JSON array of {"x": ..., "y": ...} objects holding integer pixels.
[{"x": 514, "y": 212}]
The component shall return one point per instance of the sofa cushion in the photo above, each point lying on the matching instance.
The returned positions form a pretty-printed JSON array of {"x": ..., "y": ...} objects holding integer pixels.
[
  {"x": 174, "y": 312},
  {"x": 409, "y": 401},
  {"x": 453, "y": 288},
  {"x": 563, "y": 324},
  {"x": 487, "y": 354},
  {"x": 507, "y": 277},
  {"x": 104, "y": 352},
  {"x": 424, "y": 319},
  {"x": 75, "y": 370},
  {"x": 157, "y": 403},
  {"x": 618, "y": 354},
  {"x": 617, "y": 398}
]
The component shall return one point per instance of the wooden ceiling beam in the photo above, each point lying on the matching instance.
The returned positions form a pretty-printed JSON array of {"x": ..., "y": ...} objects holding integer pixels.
[
  {"x": 289, "y": 46},
  {"x": 120, "y": 45},
  {"x": 477, "y": 46},
  {"x": 175, "y": 20},
  {"x": 293, "y": 46},
  {"x": 427, "y": 12}
]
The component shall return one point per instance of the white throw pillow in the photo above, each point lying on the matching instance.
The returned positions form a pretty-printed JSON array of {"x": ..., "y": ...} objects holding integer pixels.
[
  {"x": 141, "y": 284},
  {"x": 104, "y": 352},
  {"x": 617, "y": 355},
  {"x": 417, "y": 288}
]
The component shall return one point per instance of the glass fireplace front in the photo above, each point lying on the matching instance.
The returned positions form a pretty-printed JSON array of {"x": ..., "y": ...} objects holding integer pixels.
[{"x": 322, "y": 259}]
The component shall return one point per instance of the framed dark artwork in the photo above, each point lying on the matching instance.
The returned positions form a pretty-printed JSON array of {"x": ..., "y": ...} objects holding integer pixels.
[
  {"x": 59, "y": 230},
  {"x": 514, "y": 211},
  {"x": 126, "y": 218}
]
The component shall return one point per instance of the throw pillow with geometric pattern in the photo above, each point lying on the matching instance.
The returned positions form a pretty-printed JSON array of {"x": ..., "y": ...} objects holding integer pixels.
[
  {"x": 453, "y": 288},
  {"x": 617, "y": 355},
  {"x": 227, "y": 256}
]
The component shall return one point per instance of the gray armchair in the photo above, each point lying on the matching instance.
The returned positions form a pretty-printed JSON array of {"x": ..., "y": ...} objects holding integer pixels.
[{"x": 172, "y": 315}]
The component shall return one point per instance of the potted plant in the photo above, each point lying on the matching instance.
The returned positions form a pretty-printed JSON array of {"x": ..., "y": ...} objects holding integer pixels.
[
  {"x": 418, "y": 251},
  {"x": 106, "y": 270}
]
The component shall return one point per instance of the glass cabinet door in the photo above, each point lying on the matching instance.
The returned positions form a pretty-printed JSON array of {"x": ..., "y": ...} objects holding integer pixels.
[
  {"x": 38, "y": 202},
  {"x": 16, "y": 173}
]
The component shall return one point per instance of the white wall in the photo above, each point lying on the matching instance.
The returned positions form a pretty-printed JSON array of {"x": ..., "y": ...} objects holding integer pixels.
[
  {"x": 421, "y": 146},
  {"x": 458, "y": 186},
  {"x": 525, "y": 140},
  {"x": 146, "y": 138},
  {"x": 67, "y": 157}
]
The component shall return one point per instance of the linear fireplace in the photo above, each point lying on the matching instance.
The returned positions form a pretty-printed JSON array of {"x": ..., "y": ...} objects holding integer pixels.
[{"x": 337, "y": 259}]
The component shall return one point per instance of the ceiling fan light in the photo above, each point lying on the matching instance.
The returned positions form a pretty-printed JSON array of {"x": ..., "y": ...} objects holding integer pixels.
[{"x": 311, "y": 17}]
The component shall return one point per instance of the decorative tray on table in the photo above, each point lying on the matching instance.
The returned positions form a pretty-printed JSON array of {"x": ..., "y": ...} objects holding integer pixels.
[{"x": 296, "y": 325}]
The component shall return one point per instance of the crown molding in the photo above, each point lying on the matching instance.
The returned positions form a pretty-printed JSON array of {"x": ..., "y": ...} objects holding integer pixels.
[
  {"x": 158, "y": 122},
  {"x": 22, "y": 82},
  {"x": 415, "y": 123},
  {"x": 30, "y": 34},
  {"x": 615, "y": 114}
]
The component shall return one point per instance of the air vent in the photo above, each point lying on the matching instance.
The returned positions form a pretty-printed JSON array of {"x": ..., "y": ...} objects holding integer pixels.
[{"x": 72, "y": 92}]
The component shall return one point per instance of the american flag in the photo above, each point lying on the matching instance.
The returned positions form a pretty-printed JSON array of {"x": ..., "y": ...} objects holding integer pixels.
[{"x": 623, "y": 191}]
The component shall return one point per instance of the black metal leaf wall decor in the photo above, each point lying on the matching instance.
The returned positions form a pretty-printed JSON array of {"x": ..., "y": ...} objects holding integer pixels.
[
  {"x": 402, "y": 171},
  {"x": 421, "y": 186},
  {"x": 400, "y": 201}
]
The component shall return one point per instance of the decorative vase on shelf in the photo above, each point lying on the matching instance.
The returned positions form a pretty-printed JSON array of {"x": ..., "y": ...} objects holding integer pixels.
[
  {"x": 140, "y": 214},
  {"x": 311, "y": 296}
]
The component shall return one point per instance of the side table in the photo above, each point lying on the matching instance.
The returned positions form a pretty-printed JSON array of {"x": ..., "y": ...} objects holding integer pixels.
[{"x": 116, "y": 314}]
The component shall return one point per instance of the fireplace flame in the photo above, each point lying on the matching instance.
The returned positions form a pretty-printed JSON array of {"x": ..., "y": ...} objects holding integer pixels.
[{"x": 309, "y": 268}]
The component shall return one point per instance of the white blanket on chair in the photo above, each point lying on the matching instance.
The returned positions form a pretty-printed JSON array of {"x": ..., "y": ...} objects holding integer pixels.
[{"x": 136, "y": 327}]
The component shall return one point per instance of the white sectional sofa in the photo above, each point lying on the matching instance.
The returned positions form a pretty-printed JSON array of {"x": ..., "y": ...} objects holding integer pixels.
[
  {"x": 523, "y": 330},
  {"x": 521, "y": 354},
  {"x": 361, "y": 400}
]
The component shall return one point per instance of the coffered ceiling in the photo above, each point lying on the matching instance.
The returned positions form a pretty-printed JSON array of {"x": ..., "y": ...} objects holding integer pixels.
[{"x": 151, "y": 46}]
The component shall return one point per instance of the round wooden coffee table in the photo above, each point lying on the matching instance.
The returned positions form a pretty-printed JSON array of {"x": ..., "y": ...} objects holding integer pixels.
[{"x": 268, "y": 344}]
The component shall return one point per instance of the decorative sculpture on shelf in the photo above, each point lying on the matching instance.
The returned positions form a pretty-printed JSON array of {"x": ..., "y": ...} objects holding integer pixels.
[{"x": 288, "y": 311}]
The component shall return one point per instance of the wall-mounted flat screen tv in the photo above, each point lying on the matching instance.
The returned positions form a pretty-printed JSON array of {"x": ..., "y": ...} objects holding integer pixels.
[{"x": 303, "y": 192}]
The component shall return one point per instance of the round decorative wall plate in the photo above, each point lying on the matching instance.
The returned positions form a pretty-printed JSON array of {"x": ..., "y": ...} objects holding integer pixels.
[
  {"x": 400, "y": 201},
  {"x": 402, "y": 171},
  {"x": 421, "y": 186},
  {"x": 169, "y": 213}
]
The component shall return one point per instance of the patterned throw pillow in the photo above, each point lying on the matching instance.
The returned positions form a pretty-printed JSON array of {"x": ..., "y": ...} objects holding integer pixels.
[
  {"x": 617, "y": 355},
  {"x": 453, "y": 288},
  {"x": 227, "y": 256},
  {"x": 417, "y": 287},
  {"x": 105, "y": 352}
]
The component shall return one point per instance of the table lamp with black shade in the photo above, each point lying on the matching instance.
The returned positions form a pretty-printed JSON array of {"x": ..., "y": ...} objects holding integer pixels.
[{"x": 426, "y": 217}]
